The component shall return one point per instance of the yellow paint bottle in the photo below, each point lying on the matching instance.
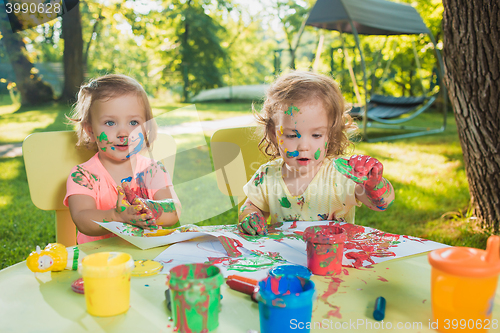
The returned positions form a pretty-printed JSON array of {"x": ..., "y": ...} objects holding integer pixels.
[{"x": 106, "y": 277}]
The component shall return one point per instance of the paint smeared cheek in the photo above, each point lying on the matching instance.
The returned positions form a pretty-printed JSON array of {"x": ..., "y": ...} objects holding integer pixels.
[
  {"x": 103, "y": 142},
  {"x": 102, "y": 137},
  {"x": 290, "y": 154},
  {"x": 279, "y": 133},
  {"x": 317, "y": 154}
]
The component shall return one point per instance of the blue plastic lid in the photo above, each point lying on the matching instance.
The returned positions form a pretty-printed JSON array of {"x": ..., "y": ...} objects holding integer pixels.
[{"x": 291, "y": 270}]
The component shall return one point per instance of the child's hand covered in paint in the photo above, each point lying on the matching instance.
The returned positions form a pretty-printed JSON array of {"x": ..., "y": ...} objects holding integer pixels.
[
  {"x": 252, "y": 224},
  {"x": 367, "y": 169},
  {"x": 137, "y": 213},
  {"x": 153, "y": 207}
]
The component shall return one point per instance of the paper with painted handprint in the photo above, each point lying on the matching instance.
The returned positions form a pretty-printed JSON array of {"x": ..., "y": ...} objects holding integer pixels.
[{"x": 283, "y": 244}]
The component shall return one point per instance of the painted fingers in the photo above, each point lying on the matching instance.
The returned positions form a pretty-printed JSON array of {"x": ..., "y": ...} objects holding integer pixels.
[
  {"x": 367, "y": 169},
  {"x": 253, "y": 224},
  {"x": 136, "y": 213}
]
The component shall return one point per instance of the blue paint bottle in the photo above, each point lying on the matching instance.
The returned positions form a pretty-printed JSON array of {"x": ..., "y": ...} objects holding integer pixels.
[{"x": 285, "y": 303}]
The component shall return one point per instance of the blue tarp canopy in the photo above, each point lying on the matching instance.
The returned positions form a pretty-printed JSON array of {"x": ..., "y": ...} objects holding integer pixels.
[{"x": 370, "y": 17}]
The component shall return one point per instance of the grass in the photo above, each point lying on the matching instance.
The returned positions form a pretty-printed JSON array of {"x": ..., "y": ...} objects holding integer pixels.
[{"x": 428, "y": 175}]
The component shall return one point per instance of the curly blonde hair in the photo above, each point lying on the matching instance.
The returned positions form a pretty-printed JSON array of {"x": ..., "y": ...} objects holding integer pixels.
[
  {"x": 299, "y": 86},
  {"x": 104, "y": 88}
]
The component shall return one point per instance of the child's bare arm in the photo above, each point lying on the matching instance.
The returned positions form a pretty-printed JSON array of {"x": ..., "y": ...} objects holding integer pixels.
[
  {"x": 84, "y": 211},
  {"x": 252, "y": 220},
  {"x": 166, "y": 206},
  {"x": 376, "y": 202}
]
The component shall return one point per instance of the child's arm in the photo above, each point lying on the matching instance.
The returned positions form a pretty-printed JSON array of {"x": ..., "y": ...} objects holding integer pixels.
[
  {"x": 165, "y": 207},
  {"x": 372, "y": 189},
  {"x": 84, "y": 211},
  {"x": 252, "y": 220}
]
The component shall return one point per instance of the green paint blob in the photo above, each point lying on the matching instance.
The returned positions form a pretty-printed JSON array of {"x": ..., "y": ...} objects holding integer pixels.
[
  {"x": 102, "y": 137},
  {"x": 317, "y": 154},
  {"x": 167, "y": 205},
  {"x": 84, "y": 178},
  {"x": 103, "y": 148},
  {"x": 291, "y": 109},
  {"x": 285, "y": 203}
]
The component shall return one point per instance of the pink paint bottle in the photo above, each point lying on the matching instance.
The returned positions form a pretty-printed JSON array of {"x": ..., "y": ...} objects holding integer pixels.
[{"x": 325, "y": 248}]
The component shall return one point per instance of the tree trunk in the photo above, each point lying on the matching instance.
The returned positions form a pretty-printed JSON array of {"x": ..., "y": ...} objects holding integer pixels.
[
  {"x": 32, "y": 89},
  {"x": 73, "y": 54},
  {"x": 472, "y": 75}
]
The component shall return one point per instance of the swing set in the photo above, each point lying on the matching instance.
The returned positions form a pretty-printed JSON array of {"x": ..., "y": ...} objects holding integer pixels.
[{"x": 381, "y": 17}]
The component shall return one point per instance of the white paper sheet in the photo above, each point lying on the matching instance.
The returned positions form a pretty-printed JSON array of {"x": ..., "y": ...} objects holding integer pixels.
[{"x": 364, "y": 247}]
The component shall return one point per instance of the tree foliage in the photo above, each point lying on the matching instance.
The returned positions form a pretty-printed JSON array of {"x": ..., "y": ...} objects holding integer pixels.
[
  {"x": 32, "y": 88},
  {"x": 185, "y": 46}
]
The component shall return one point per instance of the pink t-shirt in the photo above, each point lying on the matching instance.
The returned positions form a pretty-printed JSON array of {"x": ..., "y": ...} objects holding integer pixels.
[{"x": 92, "y": 179}]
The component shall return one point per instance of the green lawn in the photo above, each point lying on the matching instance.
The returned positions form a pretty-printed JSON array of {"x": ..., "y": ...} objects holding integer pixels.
[{"x": 427, "y": 173}]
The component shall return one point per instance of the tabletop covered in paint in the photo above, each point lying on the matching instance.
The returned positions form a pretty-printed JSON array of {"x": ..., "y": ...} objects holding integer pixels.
[{"x": 39, "y": 302}]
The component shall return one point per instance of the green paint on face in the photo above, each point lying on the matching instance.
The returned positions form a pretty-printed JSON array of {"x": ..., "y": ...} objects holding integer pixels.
[
  {"x": 291, "y": 109},
  {"x": 103, "y": 148},
  {"x": 317, "y": 154},
  {"x": 285, "y": 203},
  {"x": 122, "y": 208},
  {"x": 102, "y": 137}
]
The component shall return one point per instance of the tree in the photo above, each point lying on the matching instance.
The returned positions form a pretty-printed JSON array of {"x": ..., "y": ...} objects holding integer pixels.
[
  {"x": 73, "y": 54},
  {"x": 188, "y": 36},
  {"x": 292, "y": 16},
  {"x": 31, "y": 87},
  {"x": 471, "y": 58}
]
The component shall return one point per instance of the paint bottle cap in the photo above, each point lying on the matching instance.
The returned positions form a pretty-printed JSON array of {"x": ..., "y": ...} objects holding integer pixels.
[
  {"x": 290, "y": 270},
  {"x": 466, "y": 261},
  {"x": 77, "y": 286},
  {"x": 146, "y": 267}
]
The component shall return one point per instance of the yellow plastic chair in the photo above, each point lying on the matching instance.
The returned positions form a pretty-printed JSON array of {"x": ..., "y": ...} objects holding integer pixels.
[
  {"x": 50, "y": 156},
  {"x": 236, "y": 158}
]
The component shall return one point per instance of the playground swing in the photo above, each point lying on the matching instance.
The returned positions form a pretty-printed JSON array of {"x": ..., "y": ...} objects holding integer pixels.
[
  {"x": 389, "y": 109},
  {"x": 381, "y": 17}
]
